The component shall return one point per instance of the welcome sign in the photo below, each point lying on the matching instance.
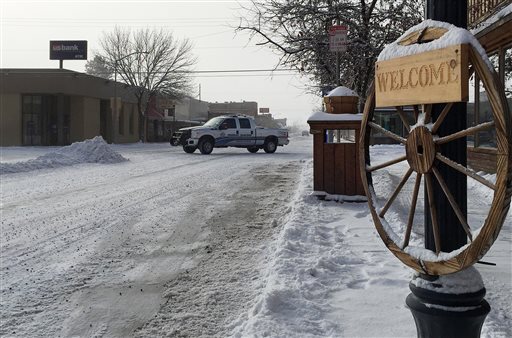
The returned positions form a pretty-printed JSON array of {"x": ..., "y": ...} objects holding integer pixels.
[{"x": 436, "y": 76}]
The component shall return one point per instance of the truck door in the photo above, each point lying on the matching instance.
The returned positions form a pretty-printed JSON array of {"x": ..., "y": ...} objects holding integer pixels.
[
  {"x": 228, "y": 133},
  {"x": 246, "y": 133}
]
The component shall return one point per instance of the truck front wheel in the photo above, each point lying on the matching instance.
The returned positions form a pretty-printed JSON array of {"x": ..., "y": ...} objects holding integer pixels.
[
  {"x": 206, "y": 146},
  {"x": 253, "y": 149},
  {"x": 189, "y": 149},
  {"x": 270, "y": 146}
]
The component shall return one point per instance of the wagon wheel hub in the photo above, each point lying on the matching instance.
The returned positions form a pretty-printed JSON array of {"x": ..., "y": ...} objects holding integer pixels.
[{"x": 420, "y": 150}]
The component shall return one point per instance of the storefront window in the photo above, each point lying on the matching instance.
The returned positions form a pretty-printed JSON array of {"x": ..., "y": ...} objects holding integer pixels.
[
  {"x": 486, "y": 138},
  {"x": 32, "y": 120},
  {"x": 471, "y": 119},
  {"x": 46, "y": 120},
  {"x": 483, "y": 111},
  {"x": 508, "y": 75}
]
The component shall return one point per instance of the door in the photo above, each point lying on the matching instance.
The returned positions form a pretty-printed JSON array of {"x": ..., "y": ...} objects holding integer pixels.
[
  {"x": 228, "y": 133},
  {"x": 246, "y": 133}
]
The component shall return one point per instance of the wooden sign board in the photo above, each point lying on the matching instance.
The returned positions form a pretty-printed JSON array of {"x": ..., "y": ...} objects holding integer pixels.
[{"x": 436, "y": 76}]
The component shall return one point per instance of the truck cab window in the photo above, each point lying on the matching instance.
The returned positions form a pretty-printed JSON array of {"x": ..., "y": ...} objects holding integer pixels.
[
  {"x": 228, "y": 124},
  {"x": 244, "y": 123}
]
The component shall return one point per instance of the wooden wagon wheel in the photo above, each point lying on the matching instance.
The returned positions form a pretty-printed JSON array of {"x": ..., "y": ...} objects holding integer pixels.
[{"x": 423, "y": 158}]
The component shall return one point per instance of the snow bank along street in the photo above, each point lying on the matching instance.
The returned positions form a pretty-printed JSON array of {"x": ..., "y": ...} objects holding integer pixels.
[{"x": 146, "y": 240}]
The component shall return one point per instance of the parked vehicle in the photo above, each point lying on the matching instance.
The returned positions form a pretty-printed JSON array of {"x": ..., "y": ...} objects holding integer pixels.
[{"x": 230, "y": 131}]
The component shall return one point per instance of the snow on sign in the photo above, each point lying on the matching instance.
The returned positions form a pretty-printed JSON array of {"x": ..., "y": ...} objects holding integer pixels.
[{"x": 338, "y": 38}]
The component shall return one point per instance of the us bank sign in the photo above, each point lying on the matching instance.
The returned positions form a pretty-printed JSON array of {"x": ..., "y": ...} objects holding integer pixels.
[
  {"x": 68, "y": 50},
  {"x": 430, "y": 77}
]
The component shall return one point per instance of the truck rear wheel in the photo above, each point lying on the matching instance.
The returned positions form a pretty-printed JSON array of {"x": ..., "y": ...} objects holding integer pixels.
[
  {"x": 270, "y": 146},
  {"x": 189, "y": 149},
  {"x": 253, "y": 149},
  {"x": 206, "y": 146}
]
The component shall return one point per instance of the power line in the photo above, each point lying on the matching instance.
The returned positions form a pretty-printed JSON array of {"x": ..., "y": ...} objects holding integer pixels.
[{"x": 222, "y": 71}]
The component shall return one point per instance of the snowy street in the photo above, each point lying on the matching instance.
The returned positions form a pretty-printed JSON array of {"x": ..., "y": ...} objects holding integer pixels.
[
  {"x": 88, "y": 249},
  {"x": 190, "y": 245}
]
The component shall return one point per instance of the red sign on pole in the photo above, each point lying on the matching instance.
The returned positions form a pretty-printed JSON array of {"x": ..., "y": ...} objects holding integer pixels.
[{"x": 338, "y": 38}]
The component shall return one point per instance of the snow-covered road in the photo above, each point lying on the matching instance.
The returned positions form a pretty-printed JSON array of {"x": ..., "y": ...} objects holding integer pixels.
[
  {"x": 89, "y": 250},
  {"x": 231, "y": 244}
]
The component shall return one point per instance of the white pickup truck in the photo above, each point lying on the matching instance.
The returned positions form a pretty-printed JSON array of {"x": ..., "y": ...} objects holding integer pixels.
[{"x": 230, "y": 131}]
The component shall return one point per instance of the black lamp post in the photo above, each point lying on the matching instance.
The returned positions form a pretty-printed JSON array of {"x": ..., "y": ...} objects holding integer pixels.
[{"x": 437, "y": 312}]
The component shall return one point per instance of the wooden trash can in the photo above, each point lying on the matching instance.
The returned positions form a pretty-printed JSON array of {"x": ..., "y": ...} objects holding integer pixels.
[
  {"x": 341, "y": 100},
  {"x": 335, "y": 154}
]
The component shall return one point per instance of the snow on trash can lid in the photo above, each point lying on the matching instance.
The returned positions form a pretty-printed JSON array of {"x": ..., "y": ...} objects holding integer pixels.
[{"x": 342, "y": 91}]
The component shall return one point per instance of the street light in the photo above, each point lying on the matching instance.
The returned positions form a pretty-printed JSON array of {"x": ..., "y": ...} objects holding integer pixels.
[{"x": 115, "y": 74}]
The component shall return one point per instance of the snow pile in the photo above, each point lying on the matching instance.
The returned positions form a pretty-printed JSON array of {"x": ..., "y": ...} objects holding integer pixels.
[
  {"x": 466, "y": 281},
  {"x": 95, "y": 150},
  {"x": 320, "y": 282},
  {"x": 342, "y": 91},
  {"x": 454, "y": 36},
  {"x": 322, "y": 116}
]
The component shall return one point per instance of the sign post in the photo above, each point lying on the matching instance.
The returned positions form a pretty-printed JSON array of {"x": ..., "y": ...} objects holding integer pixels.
[{"x": 337, "y": 44}]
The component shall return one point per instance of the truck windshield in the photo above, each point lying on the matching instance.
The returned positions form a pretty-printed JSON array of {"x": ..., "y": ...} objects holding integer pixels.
[{"x": 215, "y": 122}]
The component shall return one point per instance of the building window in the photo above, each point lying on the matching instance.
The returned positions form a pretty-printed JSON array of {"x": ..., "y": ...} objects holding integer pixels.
[
  {"x": 170, "y": 112},
  {"x": 507, "y": 69},
  {"x": 340, "y": 136},
  {"x": 131, "y": 121},
  {"x": 121, "y": 121},
  {"x": 32, "y": 120}
]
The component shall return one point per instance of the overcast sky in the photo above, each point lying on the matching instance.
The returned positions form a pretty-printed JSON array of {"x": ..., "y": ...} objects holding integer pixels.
[{"x": 28, "y": 26}]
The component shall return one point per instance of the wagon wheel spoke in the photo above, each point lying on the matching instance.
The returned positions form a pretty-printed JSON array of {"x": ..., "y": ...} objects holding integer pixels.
[
  {"x": 396, "y": 192},
  {"x": 386, "y": 164},
  {"x": 386, "y": 132},
  {"x": 427, "y": 110},
  {"x": 465, "y": 132},
  {"x": 465, "y": 171},
  {"x": 453, "y": 203},
  {"x": 441, "y": 117},
  {"x": 433, "y": 212},
  {"x": 412, "y": 210},
  {"x": 403, "y": 117}
]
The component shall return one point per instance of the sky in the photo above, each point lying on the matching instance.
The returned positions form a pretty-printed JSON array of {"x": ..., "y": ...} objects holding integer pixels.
[{"x": 26, "y": 27}]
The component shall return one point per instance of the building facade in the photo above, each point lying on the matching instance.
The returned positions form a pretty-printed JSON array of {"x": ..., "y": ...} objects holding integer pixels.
[
  {"x": 491, "y": 23},
  {"x": 168, "y": 115},
  {"x": 51, "y": 107},
  {"x": 233, "y": 108}
]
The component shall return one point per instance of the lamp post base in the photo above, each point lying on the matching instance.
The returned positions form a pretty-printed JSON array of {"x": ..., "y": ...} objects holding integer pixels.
[{"x": 446, "y": 315}]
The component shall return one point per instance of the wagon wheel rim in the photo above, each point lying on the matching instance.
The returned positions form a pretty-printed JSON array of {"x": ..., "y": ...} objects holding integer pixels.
[{"x": 423, "y": 158}]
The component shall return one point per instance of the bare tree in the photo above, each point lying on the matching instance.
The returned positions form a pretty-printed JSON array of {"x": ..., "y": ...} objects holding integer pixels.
[
  {"x": 298, "y": 32},
  {"x": 151, "y": 61}
]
